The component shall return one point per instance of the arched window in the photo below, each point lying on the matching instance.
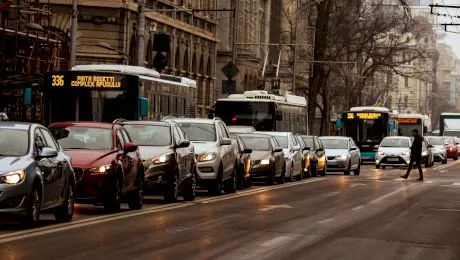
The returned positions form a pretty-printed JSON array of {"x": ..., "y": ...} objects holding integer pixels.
[
  {"x": 209, "y": 67},
  {"x": 132, "y": 50},
  {"x": 177, "y": 55},
  {"x": 194, "y": 67},
  {"x": 201, "y": 68},
  {"x": 185, "y": 66}
]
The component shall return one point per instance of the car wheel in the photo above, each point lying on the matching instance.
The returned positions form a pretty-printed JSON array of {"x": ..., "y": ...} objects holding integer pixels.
[
  {"x": 313, "y": 170},
  {"x": 112, "y": 202},
  {"x": 64, "y": 213},
  {"x": 444, "y": 161},
  {"x": 172, "y": 189},
  {"x": 230, "y": 184},
  {"x": 347, "y": 171},
  {"x": 358, "y": 170},
  {"x": 136, "y": 198},
  {"x": 190, "y": 189},
  {"x": 291, "y": 173},
  {"x": 377, "y": 166},
  {"x": 32, "y": 217}
]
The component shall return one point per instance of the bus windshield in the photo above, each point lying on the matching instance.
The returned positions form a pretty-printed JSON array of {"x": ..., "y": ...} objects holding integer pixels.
[
  {"x": 406, "y": 129},
  {"x": 257, "y": 114},
  {"x": 366, "y": 130}
]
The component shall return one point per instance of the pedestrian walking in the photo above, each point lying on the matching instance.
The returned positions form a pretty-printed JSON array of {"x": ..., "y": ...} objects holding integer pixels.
[{"x": 415, "y": 155}]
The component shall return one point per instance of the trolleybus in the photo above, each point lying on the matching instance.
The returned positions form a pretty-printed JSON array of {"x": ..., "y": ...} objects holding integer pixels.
[
  {"x": 449, "y": 124},
  {"x": 409, "y": 122}
]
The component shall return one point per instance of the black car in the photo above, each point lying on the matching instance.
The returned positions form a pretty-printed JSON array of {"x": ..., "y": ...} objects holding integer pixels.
[
  {"x": 168, "y": 157},
  {"x": 267, "y": 157},
  {"x": 244, "y": 163}
]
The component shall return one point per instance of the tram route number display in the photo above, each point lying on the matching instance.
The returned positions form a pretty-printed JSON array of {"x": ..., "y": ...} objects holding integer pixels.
[
  {"x": 91, "y": 81},
  {"x": 364, "y": 116}
]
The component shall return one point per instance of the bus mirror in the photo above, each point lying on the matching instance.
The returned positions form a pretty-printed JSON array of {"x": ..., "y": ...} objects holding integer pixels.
[
  {"x": 143, "y": 107},
  {"x": 27, "y": 97},
  {"x": 279, "y": 116}
]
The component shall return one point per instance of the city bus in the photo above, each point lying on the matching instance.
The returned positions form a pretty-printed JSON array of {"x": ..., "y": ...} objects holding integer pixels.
[
  {"x": 107, "y": 92},
  {"x": 427, "y": 124},
  {"x": 264, "y": 111},
  {"x": 449, "y": 124},
  {"x": 368, "y": 126},
  {"x": 409, "y": 122}
]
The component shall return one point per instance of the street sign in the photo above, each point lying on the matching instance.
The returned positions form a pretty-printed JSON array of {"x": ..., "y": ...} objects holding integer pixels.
[
  {"x": 228, "y": 86},
  {"x": 230, "y": 70}
]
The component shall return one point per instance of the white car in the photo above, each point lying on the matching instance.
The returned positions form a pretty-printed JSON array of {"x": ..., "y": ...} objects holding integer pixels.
[
  {"x": 342, "y": 154},
  {"x": 393, "y": 151}
]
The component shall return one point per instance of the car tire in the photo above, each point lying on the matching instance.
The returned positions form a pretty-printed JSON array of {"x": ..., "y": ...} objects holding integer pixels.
[
  {"x": 215, "y": 186},
  {"x": 64, "y": 213},
  {"x": 444, "y": 161},
  {"x": 172, "y": 189},
  {"x": 189, "y": 192},
  {"x": 347, "y": 171},
  {"x": 32, "y": 217},
  {"x": 239, "y": 182},
  {"x": 358, "y": 170},
  {"x": 324, "y": 171},
  {"x": 136, "y": 197},
  {"x": 313, "y": 171},
  {"x": 112, "y": 203},
  {"x": 247, "y": 183},
  {"x": 230, "y": 183},
  {"x": 377, "y": 166}
]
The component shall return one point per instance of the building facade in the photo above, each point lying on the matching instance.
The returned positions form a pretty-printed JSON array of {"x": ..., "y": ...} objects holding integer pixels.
[{"x": 107, "y": 33}]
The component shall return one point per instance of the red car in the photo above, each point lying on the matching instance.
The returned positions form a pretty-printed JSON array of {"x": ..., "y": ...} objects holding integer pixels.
[
  {"x": 451, "y": 147},
  {"x": 107, "y": 164}
]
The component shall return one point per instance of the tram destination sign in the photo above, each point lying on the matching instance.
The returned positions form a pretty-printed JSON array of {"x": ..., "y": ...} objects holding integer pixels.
[
  {"x": 409, "y": 121},
  {"x": 84, "y": 80},
  {"x": 364, "y": 115}
]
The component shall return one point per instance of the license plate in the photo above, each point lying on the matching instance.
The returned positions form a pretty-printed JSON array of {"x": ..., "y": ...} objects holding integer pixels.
[{"x": 393, "y": 159}]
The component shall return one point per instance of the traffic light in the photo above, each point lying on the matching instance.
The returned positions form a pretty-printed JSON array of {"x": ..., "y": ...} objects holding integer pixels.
[{"x": 160, "y": 61}]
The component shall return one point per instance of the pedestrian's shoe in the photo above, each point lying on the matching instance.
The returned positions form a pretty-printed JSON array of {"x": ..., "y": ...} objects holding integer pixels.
[
  {"x": 403, "y": 176},
  {"x": 420, "y": 179}
]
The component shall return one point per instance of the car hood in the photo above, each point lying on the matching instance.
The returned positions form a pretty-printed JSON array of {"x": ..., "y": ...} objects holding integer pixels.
[
  {"x": 439, "y": 147},
  {"x": 148, "y": 152},
  {"x": 393, "y": 150},
  {"x": 204, "y": 147},
  {"x": 260, "y": 155},
  {"x": 13, "y": 163},
  {"x": 88, "y": 158},
  {"x": 336, "y": 152}
]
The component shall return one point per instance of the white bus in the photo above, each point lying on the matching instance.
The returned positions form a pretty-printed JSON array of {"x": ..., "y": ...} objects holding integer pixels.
[{"x": 409, "y": 122}]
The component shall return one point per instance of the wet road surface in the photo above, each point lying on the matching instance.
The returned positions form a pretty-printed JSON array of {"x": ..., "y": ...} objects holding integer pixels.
[{"x": 375, "y": 215}]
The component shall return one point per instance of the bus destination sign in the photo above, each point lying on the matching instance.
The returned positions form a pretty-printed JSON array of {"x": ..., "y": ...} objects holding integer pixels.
[
  {"x": 364, "y": 115},
  {"x": 408, "y": 121},
  {"x": 79, "y": 80}
]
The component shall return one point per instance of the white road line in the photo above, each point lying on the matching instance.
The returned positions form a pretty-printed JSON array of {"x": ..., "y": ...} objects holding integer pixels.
[
  {"x": 333, "y": 193},
  {"x": 399, "y": 179},
  {"x": 456, "y": 184},
  {"x": 445, "y": 166},
  {"x": 275, "y": 241},
  {"x": 357, "y": 184},
  {"x": 325, "y": 221},
  {"x": 377, "y": 200},
  {"x": 358, "y": 208},
  {"x": 451, "y": 210},
  {"x": 430, "y": 181},
  {"x": 107, "y": 218}
]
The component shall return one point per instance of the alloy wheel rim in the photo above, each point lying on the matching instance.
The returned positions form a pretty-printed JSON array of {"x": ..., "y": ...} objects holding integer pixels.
[
  {"x": 70, "y": 203},
  {"x": 35, "y": 206},
  {"x": 176, "y": 186}
]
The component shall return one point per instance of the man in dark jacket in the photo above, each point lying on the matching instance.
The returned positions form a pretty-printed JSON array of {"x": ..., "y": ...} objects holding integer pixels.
[{"x": 415, "y": 155}]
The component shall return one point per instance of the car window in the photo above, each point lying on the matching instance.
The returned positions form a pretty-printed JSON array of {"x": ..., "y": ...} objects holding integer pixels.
[
  {"x": 274, "y": 142},
  {"x": 257, "y": 143},
  {"x": 49, "y": 139},
  {"x": 225, "y": 134},
  {"x": 199, "y": 131},
  {"x": 293, "y": 140},
  {"x": 176, "y": 136},
  {"x": 395, "y": 142},
  {"x": 309, "y": 142},
  {"x": 39, "y": 141},
  {"x": 317, "y": 144},
  {"x": 335, "y": 143},
  {"x": 14, "y": 142},
  {"x": 181, "y": 133},
  {"x": 149, "y": 135},
  {"x": 82, "y": 137},
  {"x": 120, "y": 140}
]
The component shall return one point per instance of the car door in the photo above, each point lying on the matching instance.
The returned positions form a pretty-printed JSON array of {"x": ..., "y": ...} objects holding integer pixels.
[
  {"x": 180, "y": 154},
  {"x": 59, "y": 178},
  {"x": 189, "y": 152},
  {"x": 354, "y": 153},
  {"x": 123, "y": 159},
  {"x": 47, "y": 168},
  {"x": 228, "y": 152},
  {"x": 133, "y": 159},
  {"x": 278, "y": 156}
]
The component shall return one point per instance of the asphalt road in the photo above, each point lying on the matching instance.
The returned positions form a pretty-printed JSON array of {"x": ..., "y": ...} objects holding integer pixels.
[{"x": 375, "y": 215}]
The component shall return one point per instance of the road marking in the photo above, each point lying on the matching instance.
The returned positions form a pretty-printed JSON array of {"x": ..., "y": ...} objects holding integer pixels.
[
  {"x": 275, "y": 241},
  {"x": 430, "y": 181},
  {"x": 377, "y": 200},
  {"x": 333, "y": 193},
  {"x": 445, "y": 166},
  {"x": 107, "y": 218},
  {"x": 271, "y": 207},
  {"x": 358, "y": 208},
  {"x": 456, "y": 183},
  {"x": 450, "y": 210},
  {"x": 399, "y": 179},
  {"x": 357, "y": 184},
  {"x": 325, "y": 221}
]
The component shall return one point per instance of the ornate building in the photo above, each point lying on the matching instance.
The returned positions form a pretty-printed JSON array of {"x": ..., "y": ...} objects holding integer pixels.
[{"x": 107, "y": 33}]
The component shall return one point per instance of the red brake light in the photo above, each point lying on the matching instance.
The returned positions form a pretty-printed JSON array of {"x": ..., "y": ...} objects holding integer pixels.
[{"x": 234, "y": 120}]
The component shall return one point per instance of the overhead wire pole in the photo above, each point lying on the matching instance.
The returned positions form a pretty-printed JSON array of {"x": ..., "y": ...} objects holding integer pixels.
[
  {"x": 141, "y": 34},
  {"x": 73, "y": 34}
]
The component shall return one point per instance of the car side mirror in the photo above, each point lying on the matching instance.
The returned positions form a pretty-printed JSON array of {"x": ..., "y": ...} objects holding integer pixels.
[
  {"x": 129, "y": 147},
  {"x": 226, "y": 141},
  {"x": 306, "y": 149},
  {"x": 353, "y": 148},
  {"x": 278, "y": 149},
  {"x": 183, "y": 143},
  {"x": 320, "y": 150},
  {"x": 247, "y": 150},
  {"x": 47, "y": 152}
]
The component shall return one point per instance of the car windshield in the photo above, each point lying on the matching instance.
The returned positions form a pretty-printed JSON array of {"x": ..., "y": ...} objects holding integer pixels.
[
  {"x": 14, "y": 142},
  {"x": 330, "y": 143},
  {"x": 79, "y": 137},
  {"x": 435, "y": 141},
  {"x": 149, "y": 135},
  {"x": 395, "y": 142},
  {"x": 256, "y": 143},
  {"x": 282, "y": 141},
  {"x": 199, "y": 131},
  {"x": 308, "y": 142}
]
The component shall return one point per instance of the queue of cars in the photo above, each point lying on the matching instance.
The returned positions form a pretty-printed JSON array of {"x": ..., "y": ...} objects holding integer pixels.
[{"x": 51, "y": 169}]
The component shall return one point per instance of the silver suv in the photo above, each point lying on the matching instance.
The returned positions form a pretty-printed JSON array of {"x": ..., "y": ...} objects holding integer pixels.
[{"x": 215, "y": 153}]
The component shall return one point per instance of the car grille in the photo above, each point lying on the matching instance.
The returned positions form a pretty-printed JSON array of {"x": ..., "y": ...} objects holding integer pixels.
[
  {"x": 331, "y": 157},
  {"x": 78, "y": 173}
]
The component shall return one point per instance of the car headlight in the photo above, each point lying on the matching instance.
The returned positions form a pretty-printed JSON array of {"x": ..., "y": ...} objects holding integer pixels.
[
  {"x": 265, "y": 161},
  {"x": 406, "y": 153},
  {"x": 342, "y": 157},
  {"x": 206, "y": 157},
  {"x": 381, "y": 153},
  {"x": 100, "y": 170},
  {"x": 161, "y": 159},
  {"x": 13, "y": 177}
]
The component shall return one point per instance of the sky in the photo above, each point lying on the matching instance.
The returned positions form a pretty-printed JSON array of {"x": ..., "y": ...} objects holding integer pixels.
[{"x": 452, "y": 39}]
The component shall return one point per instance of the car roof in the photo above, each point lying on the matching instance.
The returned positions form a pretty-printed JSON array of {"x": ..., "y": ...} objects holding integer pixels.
[
  {"x": 273, "y": 133},
  {"x": 335, "y": 137},
  {"x": 194, "y": 120},
  {"x": 253, "y": 135},
  {"x": 397, "y": 137},
  {"x": 433, "y": 136},
  {"x": 308, "y": 136},
  {"x": 158, "y": 123},
  {"x": 15, "y": 125},
  {"x": 83, "y": 124}
]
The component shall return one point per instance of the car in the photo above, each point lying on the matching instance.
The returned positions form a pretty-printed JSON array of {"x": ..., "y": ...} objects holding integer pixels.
[
  {"x": 214, "y": 151},
  {"x": 35, "y": 174},
  {"x": 267, "y": 157},
  {"x": 235, "y": 129},
  {"x": 244, "y": 163},
  {"x": 168, "y": 158},
  {"x": 342, "y": 154},
  {"x": 457, "y": 141},
  {"x": 393, "y": 151},
  {"x": 306, "y": 156},
  {"x": 427, "y": 153},
  {"x": 318, "y": 162},
  {"x": 439, "y": 149},
  {"x": 292, "y": 154},
  {"x": 451, "y": 147},
  {"x": 107, "y": 164}
]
